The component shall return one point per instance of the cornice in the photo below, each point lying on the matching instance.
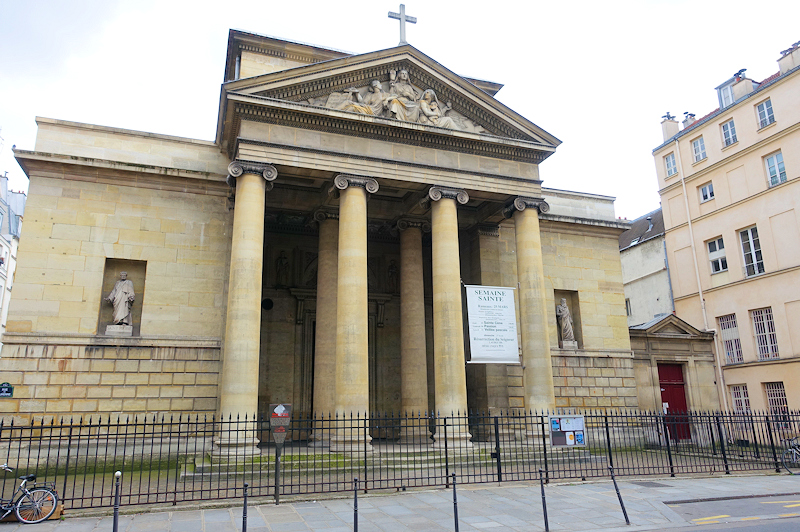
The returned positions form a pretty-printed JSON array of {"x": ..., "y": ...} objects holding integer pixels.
[
  {"x": 61, "y": 166},
  {"x": 305, "y": 116}
]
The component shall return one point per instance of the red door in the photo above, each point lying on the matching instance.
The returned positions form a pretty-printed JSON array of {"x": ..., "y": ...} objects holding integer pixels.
[{"x": 673, "y": 397}]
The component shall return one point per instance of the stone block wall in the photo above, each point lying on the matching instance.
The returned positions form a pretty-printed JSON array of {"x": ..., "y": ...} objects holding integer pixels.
[
  {"x": 72, "y": 381},
  {"x": 594, "y": 379},
  {"x": 72, "y": 225}
]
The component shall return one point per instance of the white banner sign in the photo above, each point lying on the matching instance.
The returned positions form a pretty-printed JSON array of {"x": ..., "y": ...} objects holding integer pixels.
[{"x": 492, "y": 325}]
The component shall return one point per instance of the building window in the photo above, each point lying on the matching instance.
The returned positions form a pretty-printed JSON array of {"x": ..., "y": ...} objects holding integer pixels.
[
  {"x": 706, "y": 192},
  {"x": 672, "y": 168},
  {"x": 728, "y": 133},
  {"x": 716, "y": 254},
  {"x": 729, "y": 333},
  {"x": 741, "y": 401},
  {"x": 726, "y": 95},
  {"x": 764, "y": 331},
  {"x": 776, "y": 173},
  {"x": 765, "y": 116},
  {"x": 751, "y": 247},
  {"x": 699, "y": 149},
  {"x": 628, "y": 306},
  {"x": 776, "y": 400}
]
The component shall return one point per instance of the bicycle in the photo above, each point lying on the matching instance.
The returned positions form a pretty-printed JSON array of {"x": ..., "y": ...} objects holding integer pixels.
[
  {"x": 791, "y": 456},
  {"x": 33, "y": 505}
]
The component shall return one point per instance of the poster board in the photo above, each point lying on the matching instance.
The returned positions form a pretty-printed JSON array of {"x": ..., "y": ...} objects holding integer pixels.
[
  {"x": 567, "y": 431},
  {"x": 492, "y": 320}
]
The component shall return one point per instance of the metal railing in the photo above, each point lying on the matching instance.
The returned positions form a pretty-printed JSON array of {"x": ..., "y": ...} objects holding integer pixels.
[{"x": 176, "y": 459}]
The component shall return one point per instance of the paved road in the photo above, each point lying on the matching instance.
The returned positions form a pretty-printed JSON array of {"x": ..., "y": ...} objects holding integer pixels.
[{"x": 512, "y": 506}]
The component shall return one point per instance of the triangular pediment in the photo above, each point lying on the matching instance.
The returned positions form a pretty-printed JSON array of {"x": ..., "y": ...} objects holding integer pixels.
[
  {"x": 399, "y": 87},
  {"x": 667, "y": 325}
]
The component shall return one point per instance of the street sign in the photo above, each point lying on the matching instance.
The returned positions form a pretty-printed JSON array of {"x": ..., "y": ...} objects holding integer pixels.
[
  {"x": 567, "y": 431},
  {"x": 280, "y": 417},
  {"x": 6, "y": 390}
]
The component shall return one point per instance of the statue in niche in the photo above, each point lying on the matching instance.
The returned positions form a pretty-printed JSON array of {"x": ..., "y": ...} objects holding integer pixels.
[
  {"x": 122, "y": 297},
  {"x": 432, "y": 114},
  {"x": 402, "y": 99},
  {"x": 282, "y": 271},
  {"x": 393, "y": 276},
  {"x": 565, "y": 321}
]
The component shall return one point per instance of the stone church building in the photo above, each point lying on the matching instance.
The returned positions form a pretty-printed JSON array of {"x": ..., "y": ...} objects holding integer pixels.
[{"x": 314, "y": 253}]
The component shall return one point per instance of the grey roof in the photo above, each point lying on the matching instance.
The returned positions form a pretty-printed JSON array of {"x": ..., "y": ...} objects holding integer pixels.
[
  {"x": 640, "y": 228},
  {"x": 644, "y": 326}
]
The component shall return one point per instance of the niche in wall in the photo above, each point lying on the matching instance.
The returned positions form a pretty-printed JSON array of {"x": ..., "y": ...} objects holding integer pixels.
[
  {"x": 136, "y": 270},
  {"x": 573, "y": 303}
]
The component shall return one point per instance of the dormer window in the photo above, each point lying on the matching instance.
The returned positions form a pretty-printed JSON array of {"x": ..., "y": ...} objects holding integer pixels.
[{"x": 725, "y": 94}]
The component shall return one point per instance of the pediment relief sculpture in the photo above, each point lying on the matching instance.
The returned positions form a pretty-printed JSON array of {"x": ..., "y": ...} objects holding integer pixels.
[{"x": 398, "y": 99}]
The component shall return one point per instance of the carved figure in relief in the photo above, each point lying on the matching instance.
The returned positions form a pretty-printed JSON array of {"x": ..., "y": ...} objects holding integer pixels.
[
  {"x": 432, "y": 114},
  {"x": 282, "y": 270},
  {"x": 402, "y": 99},
  {"x": 371, "y": 104},
  {"x": 393, "y": 276},
  {"x": 565, "y": 321},
  {"x": 122, "y": 297}
]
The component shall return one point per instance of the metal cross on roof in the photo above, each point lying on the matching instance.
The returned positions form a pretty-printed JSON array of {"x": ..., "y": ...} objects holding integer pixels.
[{"x": 401, "y": 16}]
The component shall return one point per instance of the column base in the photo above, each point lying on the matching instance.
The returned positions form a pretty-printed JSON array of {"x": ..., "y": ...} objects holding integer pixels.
[
  {"x": 457, "y": 436},
  {"x": 415, "y": 434},
  {"x": 233, "y": 448},
  {"x": 351, "y": 443}
]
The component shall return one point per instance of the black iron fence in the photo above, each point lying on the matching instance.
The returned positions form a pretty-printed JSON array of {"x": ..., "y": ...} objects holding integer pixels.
[{"x": 192, "y": 458}]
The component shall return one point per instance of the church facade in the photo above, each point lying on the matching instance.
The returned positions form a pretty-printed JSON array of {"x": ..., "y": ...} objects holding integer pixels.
[{"x": 315, "y": 253}]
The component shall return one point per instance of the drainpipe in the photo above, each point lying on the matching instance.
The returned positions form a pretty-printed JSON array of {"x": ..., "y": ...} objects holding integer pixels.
[
  {"x": 669, "y": 277},
  {"x": 720, "y": 378}
]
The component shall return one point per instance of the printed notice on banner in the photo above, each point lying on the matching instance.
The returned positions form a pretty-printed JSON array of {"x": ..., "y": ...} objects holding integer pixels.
[{"x": 492, "y": 325}]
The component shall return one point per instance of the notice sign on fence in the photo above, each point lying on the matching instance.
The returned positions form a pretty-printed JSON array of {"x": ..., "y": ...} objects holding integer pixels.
[
  {"x": 492, "y": 325},
  {"x": 567, "y": 431},
  {"x": 280, "y": 417}
]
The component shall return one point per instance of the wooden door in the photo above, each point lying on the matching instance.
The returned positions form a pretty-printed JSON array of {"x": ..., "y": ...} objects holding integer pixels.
[{"x": 673, "y": 397}]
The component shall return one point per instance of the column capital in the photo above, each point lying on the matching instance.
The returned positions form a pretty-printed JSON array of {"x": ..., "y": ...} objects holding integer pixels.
[
  {"x": 435, "y": 193},
  {"x": 238, "y": 168},
  {"x": 320, "y": 215},
  {"x": 405, "y": 223},
  {"x": 344, "y": 181},
  {"x": 521, "y": 203}
]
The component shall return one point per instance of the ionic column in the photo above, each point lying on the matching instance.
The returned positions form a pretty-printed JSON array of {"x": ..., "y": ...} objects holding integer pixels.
[
  {"x": 240, "y": 355},
  {"x": 537, "y": 372},
  {"x": 413, "y": 355},
  {"x": 448, "y": 326},
  {"x": 325, "y": 337},
  {"x": 352, "y": 313}
]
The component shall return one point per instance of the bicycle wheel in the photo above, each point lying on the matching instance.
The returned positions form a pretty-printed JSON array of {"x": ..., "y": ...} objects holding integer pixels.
[
  {"x": 791, "y": 461},
  {"x": 36, "y": 505}
]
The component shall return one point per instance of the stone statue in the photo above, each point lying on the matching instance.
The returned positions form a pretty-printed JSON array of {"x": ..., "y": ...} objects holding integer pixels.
[
  {"x": 282, "y": 270},
  {"x": 402, "y": 99},
  {"x": 431, "y": 114},
  {"x": 393, "y": 276},
  {"x": 371, "y": 104},
  {"x": 122, "y": 297},
  {"x": 565, "y": 321}
]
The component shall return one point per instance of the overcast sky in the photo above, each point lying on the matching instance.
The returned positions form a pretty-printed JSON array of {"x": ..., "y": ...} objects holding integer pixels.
[{"x": 597, "y": 75}]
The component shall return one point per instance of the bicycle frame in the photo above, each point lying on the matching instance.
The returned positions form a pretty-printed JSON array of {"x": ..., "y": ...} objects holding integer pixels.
[{"x": 7, "y": 505}]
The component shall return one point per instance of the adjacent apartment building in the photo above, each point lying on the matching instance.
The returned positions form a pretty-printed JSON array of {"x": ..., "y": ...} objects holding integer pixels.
[
  {"x": 12, "y": 206},
  {"x": 730, "y": 198}
]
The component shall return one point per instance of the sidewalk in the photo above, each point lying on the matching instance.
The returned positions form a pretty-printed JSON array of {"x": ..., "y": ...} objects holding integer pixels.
[{"x": 510, "y": 506}]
